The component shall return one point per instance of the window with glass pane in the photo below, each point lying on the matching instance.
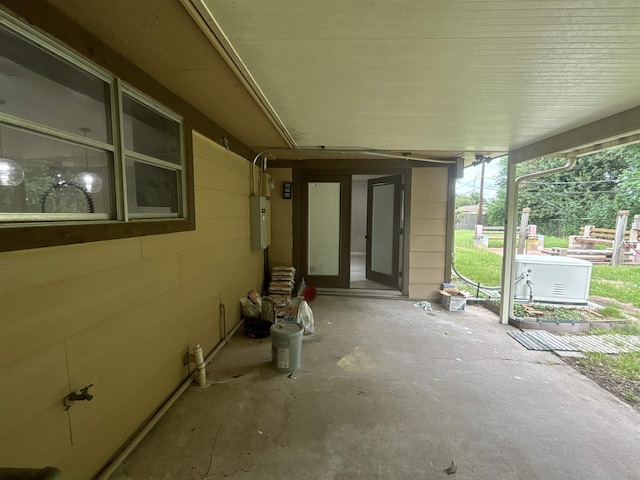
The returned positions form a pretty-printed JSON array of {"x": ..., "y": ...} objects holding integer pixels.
[
  {"x": 150, "y": 133},
  {"x": 39, "y": 87},
  {"x": 59, "y": 159},
  {"x": 324, "y": 229},
  {"x": 151, "y": 189},
  {"x": 382, "y": 229},
  {"x": 52, "y": 176}
]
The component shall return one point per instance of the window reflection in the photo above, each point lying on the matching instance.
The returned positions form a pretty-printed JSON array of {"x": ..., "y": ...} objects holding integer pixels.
[{"x": 40, "y": 87}]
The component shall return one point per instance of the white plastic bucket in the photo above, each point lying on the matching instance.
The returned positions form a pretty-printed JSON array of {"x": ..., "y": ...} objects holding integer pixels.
[{"x": 286, "y": 346}]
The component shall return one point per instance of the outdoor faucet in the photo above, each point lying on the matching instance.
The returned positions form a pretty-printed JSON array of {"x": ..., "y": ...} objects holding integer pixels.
[{"x": 75, "y": 396}]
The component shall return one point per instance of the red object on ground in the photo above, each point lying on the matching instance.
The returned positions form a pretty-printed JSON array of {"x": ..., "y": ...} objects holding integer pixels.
[{"x": 309, "y": 294}]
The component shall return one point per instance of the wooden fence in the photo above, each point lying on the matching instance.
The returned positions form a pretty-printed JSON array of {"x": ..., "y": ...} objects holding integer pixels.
[{"x": 623, "y": 243}]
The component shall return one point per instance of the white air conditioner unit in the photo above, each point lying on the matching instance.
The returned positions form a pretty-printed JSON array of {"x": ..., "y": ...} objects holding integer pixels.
[{"x": 552, "y": 279}]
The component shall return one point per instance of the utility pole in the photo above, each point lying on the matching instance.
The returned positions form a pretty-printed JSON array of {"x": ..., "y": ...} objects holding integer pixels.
[{"x": 480, "y": 222}]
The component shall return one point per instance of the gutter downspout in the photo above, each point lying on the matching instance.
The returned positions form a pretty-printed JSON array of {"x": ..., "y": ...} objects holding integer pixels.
[
  {"x": 135, "y": 441},
  {"x": 509, "y": 257}
]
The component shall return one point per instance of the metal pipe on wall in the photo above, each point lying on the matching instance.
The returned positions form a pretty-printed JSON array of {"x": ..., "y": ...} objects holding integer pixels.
[
  {"x": 336, "y": 151},
  {"x": 46, "y": 473},
  {"x": 201, "y": 373},
  {"x": 135, "y": 441}
]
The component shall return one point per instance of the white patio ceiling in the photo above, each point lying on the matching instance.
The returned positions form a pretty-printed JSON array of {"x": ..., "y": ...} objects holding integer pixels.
[
  {"x": 439, "y": 78},
  {"x": 436, "y": 76}
]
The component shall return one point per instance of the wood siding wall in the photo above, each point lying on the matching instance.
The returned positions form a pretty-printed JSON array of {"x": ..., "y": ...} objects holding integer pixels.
[
  {"x": 428, "y": 229},
  {"x": 281, "y": 248},
  {"x": 120, "y": 315}
]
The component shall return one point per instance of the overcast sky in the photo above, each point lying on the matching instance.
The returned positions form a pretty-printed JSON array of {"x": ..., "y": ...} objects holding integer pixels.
[{"x": 471, "y": 181}]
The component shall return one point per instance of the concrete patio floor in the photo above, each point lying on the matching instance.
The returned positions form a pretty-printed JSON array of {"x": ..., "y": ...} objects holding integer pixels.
[{"x": 387, "y": 390}]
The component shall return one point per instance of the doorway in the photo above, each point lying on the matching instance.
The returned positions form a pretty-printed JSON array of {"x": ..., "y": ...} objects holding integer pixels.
[
  {"x": 376, "y": 232},
  {"x": 350, "y": 233}
]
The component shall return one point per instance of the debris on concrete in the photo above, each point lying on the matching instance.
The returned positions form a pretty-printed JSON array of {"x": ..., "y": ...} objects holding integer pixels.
[
  {"x": 451, "y": 469},
  {"x": 426, "y": 306}
]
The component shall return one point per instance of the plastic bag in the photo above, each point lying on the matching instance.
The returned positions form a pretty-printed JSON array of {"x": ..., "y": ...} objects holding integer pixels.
[
  {"x": 250, "y": 309},
  {"x": 305, "y": 317},
  {"x": 426, "y": 306},
  {"x": 297, "y": 310}
]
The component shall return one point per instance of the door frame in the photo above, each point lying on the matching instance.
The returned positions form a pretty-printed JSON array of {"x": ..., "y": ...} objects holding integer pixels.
[{"x": 349, "y": 168}]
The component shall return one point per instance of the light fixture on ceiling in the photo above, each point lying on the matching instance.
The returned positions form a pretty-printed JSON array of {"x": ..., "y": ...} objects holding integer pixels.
[
  {"x": 11, "y": 172},
  {"x": 88, "y": 180}
]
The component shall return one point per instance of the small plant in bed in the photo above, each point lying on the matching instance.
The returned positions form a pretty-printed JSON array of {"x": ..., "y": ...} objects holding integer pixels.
[
  {"x": 625, "y": 329},
  {"x": 556, "y": 312}
]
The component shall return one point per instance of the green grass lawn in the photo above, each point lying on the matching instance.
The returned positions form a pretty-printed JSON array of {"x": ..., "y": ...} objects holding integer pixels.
[
  {"x": 618, "y": 283},
  {"x": 478, "y": 264}
]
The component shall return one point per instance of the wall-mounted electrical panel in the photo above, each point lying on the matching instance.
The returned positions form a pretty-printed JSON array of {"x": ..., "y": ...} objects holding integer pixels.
[{"x": 260, "y": 212}]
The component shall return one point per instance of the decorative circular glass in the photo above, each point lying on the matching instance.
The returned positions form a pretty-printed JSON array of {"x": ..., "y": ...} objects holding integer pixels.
[
  {"x": 11, "y": 173},
  {"x": 90, "y": 181}
]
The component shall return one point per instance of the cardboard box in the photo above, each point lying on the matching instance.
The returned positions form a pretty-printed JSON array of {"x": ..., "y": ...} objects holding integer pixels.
[
  {"x": 450, "y": 288},
  {"x": 454, "y": 302}
]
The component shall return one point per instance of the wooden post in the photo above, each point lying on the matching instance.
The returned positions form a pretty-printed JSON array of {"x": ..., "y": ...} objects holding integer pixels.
[
  {"x": 617, "y": 257},
  {"x": 524, "y": 223}
]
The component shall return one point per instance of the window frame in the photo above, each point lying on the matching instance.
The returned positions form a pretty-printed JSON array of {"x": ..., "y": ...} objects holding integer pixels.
[
  {"x": 41, "y": 230},
  {"x": 125, "y": 89}
]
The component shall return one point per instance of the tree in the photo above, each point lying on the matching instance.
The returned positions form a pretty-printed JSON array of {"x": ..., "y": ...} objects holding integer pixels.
[
  {"x": 591, "y": 193},
  {"x": 629, "y": 186},
  {"x": 470, "y": 199}
]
